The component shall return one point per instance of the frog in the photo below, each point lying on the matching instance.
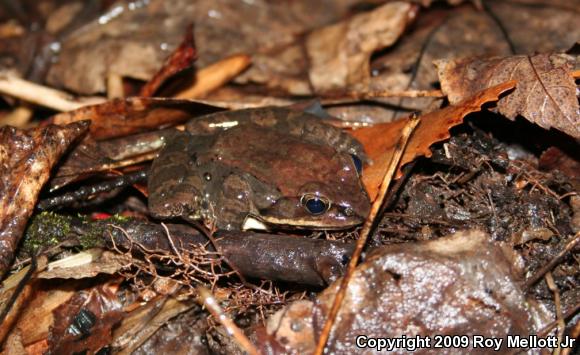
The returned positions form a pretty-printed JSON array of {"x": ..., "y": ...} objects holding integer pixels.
[{"x": 260, "y": 169}]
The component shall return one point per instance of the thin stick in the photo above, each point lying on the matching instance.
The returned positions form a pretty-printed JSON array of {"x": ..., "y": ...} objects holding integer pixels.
[
  {"x": 37, "y": 94},
  {"x": 365, "y": 232},
  {"x": 549, "y": 266},
  {"x": 357, "y": 96},
  {"x": 215, "y": 76},
  {"x": 206, "y": 298},
  {"x": 559, "y": 317}
]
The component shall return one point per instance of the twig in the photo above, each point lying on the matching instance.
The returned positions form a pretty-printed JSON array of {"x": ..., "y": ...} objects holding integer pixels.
[
  {"x": 214, "y": 76},
  {"x": 86, "y": 191},
  {"x": 37, "y": 94},
  {"x": 547, "y": 329},
  {"x": 206, "y": 298},
  {"x": 559, "y": 317},
  {"x": 366, "y": 95},
  {"x": 549, "y": 266},
  {"x": 365, "y": 232}
]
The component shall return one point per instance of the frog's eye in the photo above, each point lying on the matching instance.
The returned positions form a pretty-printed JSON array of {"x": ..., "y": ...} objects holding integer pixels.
[
  {"x": 315, "y": 204},
  {"x": 357, "y": 163}
]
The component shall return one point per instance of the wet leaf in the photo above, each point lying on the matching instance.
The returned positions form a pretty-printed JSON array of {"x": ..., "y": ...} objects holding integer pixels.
[
  {"x": 119, "y": 117},
  {"x": 380, "y": 140},
  {"x": 86, "y": 321},
  {"x": 180, "y": 59},
  {"x": 132, "y": 39},
  {"x": 339, "y": 54},
  {"x": 26, "y": 158},
  {"x": 546, "y": 92},
  {"x": 460, "y": 284}
]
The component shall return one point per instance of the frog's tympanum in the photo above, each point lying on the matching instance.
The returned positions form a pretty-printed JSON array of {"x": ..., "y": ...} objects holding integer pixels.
[{"x": 260, "y": 168}]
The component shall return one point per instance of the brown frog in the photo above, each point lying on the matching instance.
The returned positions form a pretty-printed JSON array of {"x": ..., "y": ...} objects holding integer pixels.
[{"x": 256, "y": 168}]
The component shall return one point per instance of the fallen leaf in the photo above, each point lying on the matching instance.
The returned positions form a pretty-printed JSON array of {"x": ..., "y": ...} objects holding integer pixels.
[
  {"x": 180, "y": 59},
  {"x": 139, "y": 324},
  {"x": 26, "y": 158},
  {"x": 90, "y": 157},
  {"x": 119, "y": 117},
  {"x": 132, "y": 39},
  {"x": 339, "y": 54},
  {"x": 85, "y": 322},
  {"x": 380, "y": 140},
  {"x": 546, "y": 92},
  {"x": 536, "y": 26},
  {"x": 503, "y": 28}
]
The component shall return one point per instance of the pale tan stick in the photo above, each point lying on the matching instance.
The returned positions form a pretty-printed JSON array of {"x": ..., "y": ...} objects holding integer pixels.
[
  {"x": 19, "y": 117},
  {"x": 214, "y": 76},
  {"x": 365, "y": 232},
  {"x": 206, "y": 298},
  {"x": 114, "y": 86},
  {"x": 37, "y": 94},
  {"x": 357, "y": 96}
]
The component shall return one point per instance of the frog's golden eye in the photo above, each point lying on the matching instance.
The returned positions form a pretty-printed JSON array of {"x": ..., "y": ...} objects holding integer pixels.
[{"x": 314, "y": 204}]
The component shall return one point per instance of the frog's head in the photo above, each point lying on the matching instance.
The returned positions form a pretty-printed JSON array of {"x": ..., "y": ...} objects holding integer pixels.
[{"x": 319, "y": 189}]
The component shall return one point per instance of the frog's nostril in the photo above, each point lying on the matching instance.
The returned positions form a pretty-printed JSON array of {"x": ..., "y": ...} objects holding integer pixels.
[{"x": 348, "y": 211}]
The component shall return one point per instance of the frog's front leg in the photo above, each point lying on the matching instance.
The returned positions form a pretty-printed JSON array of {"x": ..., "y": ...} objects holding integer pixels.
[{"x": 174, "y": 188}]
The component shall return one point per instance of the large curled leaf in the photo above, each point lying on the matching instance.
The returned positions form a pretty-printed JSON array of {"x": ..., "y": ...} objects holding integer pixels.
[
  {"x": 546, "y": 92},
  {"x": 26, "y": 158}
]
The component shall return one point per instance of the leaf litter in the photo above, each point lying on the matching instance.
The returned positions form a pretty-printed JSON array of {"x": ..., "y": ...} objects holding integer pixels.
[{"x": 480, "y": 212}]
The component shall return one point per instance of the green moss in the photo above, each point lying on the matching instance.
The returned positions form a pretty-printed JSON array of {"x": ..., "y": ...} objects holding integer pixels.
[
  {"x": 49, "y": 229},
  {"x": 45, "y": 230}
]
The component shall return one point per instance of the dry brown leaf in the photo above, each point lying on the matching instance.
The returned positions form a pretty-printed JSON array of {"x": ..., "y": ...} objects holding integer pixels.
[
  {"x": 339, "y": 54},
  {"x": 546, "y": 92},
  {"x": 503, "y": 28},
  {"x": 119, "y": 117},
  {"x": 85, "y": 322},
  {"x": 26, "y": 158},
  {"x": 90, "y": 157},
  {"x": 132, "y": 39},
  {"x": 180, "y": 59},
  {"x": 380, "y": 140}
]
